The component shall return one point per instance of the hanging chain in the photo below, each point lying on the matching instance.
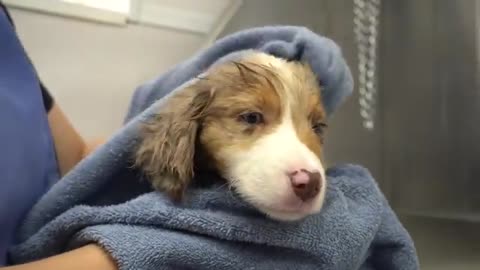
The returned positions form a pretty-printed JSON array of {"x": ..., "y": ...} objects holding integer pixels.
[{"x": 366, "y": 16}]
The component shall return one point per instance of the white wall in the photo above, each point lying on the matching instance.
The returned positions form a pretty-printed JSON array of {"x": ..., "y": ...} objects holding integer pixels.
[{"x": 92, "y": 69}]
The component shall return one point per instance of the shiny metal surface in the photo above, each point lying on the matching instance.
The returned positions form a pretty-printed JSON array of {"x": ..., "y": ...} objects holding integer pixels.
[
  {"x": 347, "y": 140},
  {"x": 366, "y": 14},
  {"x": 429, "y": 80}
]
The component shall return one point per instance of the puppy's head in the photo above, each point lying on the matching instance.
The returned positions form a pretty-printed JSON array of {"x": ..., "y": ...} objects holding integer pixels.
[{"x": 258, "y": 122}]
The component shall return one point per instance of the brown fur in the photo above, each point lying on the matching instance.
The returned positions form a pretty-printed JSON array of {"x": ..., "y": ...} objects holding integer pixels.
[
  {"x": 166, "y": 154},
  {"x": 209, "y": 110}
]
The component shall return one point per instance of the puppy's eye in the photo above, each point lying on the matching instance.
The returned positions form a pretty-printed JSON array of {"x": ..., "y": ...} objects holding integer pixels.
[
  {"x": 252, "y": 118},
  {"x": 319, "y": 128}
]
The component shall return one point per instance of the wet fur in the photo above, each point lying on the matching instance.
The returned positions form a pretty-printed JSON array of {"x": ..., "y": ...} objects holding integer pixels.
[{"x": 166, "y": 154}]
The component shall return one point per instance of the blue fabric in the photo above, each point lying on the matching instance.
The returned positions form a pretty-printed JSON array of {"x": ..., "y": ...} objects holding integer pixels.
[
  {"x": 103, "y": 201},
  {"x": 27, "y": 158}
]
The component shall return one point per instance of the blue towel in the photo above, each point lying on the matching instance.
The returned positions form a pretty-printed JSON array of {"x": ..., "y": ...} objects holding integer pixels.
[{"x": 103, "y": 201}]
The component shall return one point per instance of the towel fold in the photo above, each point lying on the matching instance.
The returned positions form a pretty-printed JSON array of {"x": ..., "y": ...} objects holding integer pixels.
[{"x": 103, "y": 200}]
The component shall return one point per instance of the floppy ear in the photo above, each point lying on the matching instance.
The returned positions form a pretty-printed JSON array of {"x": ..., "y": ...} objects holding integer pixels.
[{"x": 166, "y": 151}]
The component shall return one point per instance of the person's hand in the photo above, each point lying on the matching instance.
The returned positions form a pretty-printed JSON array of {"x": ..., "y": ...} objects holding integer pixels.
[{"x": 91, "y": 257}]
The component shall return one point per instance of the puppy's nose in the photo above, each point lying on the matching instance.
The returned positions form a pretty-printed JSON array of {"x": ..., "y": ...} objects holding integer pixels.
[{"x": 305, "y": 184}]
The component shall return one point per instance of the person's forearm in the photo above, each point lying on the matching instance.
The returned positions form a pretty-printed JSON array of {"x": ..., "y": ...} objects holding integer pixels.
[
  {"x": 91, "y": 257},
  {"x": 70, "y": 147}
]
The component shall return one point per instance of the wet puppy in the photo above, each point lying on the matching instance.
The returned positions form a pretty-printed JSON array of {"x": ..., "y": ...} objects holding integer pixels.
[{"x": 258, "y": 122}]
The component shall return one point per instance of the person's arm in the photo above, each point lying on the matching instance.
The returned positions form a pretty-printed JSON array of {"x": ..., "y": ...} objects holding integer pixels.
[
  {"x": 70, "y": 147},
  {"x": 90, "y": 257}
]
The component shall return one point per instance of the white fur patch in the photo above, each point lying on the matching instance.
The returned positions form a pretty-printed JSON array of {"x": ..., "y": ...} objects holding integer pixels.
[
  {"x": 261, "y": 173},
  {"x": 280, "y": 64}
]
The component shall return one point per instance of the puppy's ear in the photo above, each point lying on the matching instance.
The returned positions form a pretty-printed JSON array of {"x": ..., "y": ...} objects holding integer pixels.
[{"x": 166, "y": 151}]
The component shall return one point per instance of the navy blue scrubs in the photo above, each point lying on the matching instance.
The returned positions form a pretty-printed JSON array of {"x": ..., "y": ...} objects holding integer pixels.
[{"x": 28, "y": 164}]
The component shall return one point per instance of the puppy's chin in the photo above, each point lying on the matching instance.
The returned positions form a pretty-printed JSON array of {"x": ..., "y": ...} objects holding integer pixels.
[
  {"x": 279, "y": 203},
  {"x": 303, "y": 210},
  {"x": 285, "y": 215}
]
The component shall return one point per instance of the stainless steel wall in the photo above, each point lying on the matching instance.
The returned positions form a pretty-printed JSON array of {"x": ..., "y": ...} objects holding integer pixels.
[
  {"x": 431, "y": 107},
  {"x": 347, "y": 140},
  {"x": 428, "y": 106}
]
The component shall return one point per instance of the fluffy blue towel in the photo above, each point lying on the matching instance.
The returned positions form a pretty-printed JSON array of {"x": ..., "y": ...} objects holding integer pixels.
[{"x": 103, "y": 201}]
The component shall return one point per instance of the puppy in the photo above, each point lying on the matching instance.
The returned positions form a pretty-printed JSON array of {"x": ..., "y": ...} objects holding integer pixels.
[{"x": 258, "y": 122}]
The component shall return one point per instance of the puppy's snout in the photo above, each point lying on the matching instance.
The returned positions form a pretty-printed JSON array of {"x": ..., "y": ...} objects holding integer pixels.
[{"x": 306, "y": 184}]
